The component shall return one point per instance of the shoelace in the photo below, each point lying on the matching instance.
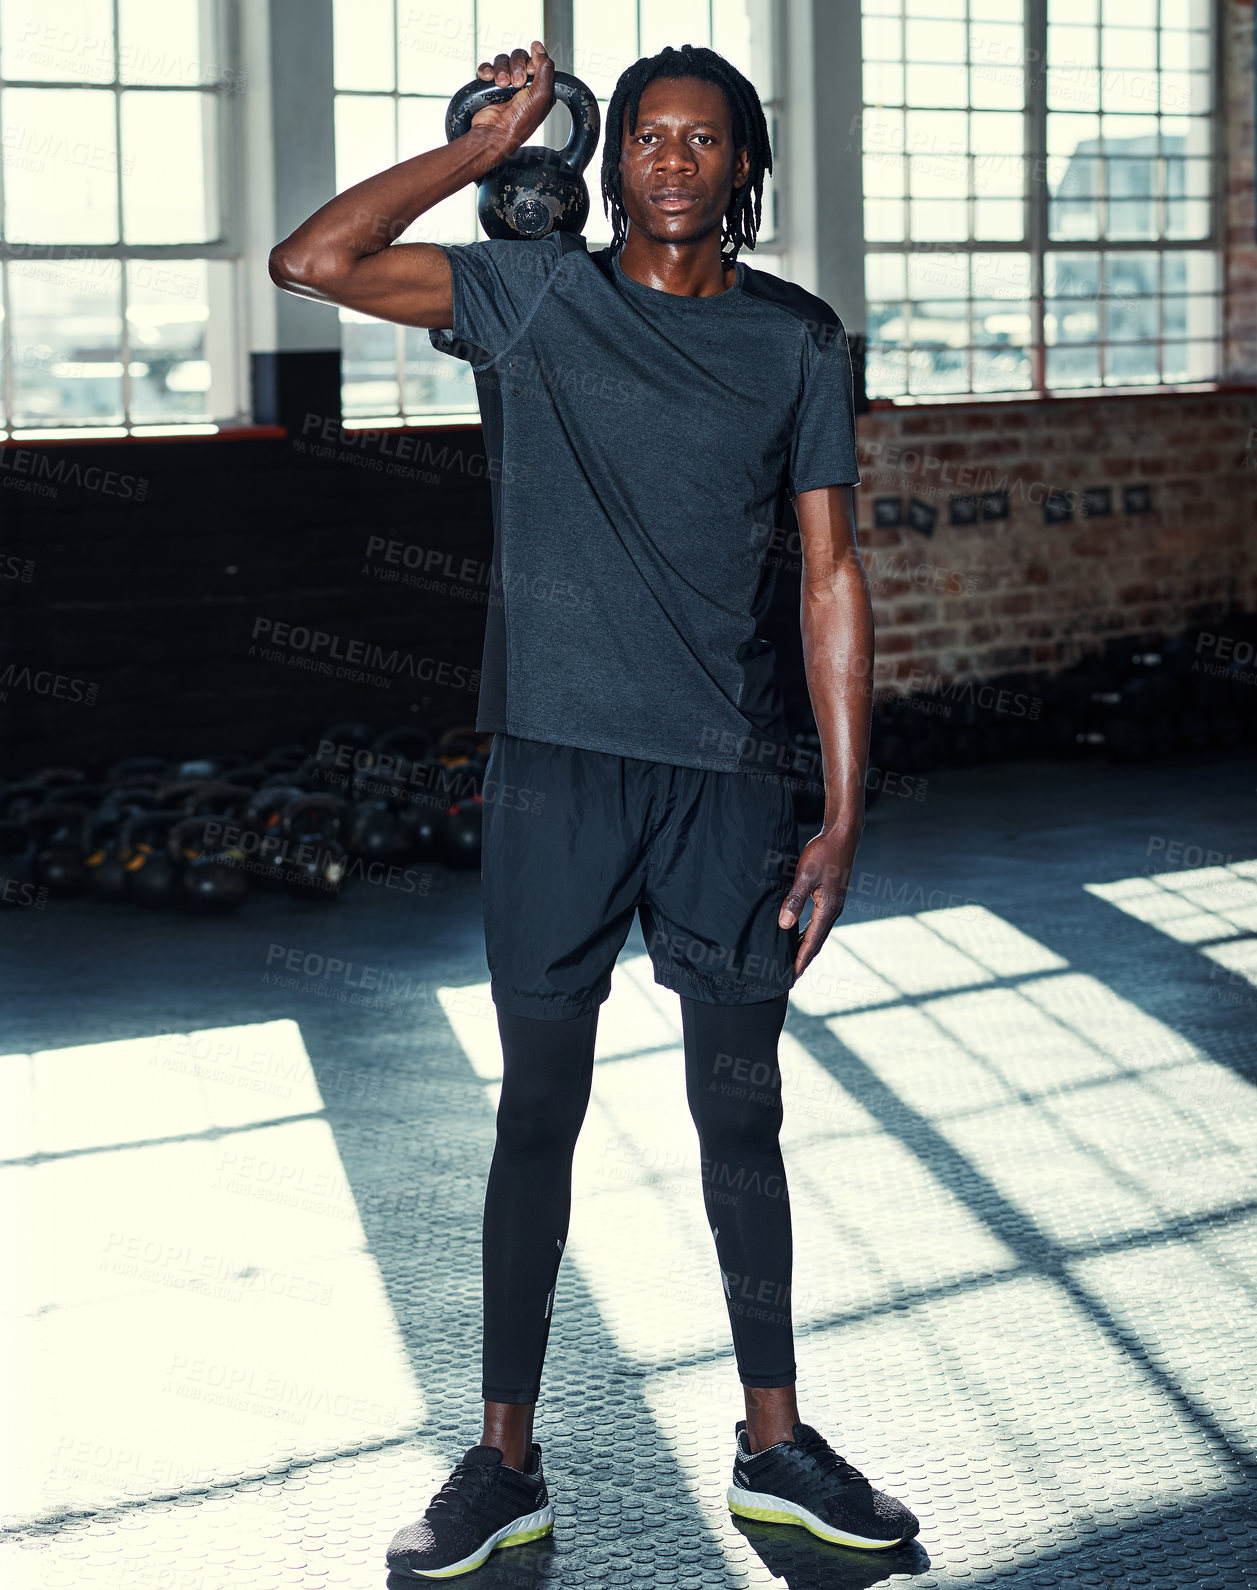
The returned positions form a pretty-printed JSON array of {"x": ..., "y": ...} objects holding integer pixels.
[
  {"x": 832, "y": 1466},
  {"x": 465, "y": 1484}
]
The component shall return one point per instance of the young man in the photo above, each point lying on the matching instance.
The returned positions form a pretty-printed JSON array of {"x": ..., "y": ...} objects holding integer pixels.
[{"x": 664, "y": 397}]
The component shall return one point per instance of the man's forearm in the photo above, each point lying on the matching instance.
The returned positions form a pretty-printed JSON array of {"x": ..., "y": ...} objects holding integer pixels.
[{"x": 836, "y": 620}]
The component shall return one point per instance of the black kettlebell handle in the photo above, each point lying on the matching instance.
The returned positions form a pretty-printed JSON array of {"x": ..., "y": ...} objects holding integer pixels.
[{"x": 579, "y": 148}]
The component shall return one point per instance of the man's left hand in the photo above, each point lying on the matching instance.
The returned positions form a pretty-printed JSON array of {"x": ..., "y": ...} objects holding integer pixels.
[{"x": 822, "y": 875}]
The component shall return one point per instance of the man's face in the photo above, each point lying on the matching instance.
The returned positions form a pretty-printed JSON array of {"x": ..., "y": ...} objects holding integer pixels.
[{"x": 678, "y": 169}]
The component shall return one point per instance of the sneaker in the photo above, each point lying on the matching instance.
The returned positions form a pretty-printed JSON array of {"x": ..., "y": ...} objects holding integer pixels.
[
  {"x": 805, "y": 1482},
  {"x": 484, "y": 1504}
]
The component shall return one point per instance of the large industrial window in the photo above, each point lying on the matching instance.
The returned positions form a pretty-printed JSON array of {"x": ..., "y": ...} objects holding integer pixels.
[
  {"x": 398, "y": 63},
  {"x": 116, "y": 274},
  {"x": 1040, "y": 209}
]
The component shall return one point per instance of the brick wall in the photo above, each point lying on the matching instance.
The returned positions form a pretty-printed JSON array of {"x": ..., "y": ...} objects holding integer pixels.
[
  {"x": 1241, "y": 211},
  {"x": 1024, "y": 594}
]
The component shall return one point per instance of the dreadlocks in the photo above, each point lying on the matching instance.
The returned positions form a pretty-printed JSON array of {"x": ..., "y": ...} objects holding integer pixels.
[{"x": 750, "y": 131}]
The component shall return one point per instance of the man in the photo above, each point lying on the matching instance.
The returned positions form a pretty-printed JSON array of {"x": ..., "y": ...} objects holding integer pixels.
[{"x": 663, "y": 396}]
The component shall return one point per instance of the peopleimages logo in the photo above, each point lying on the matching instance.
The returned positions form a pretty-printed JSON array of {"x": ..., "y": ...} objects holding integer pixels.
[
  {"x": 38, "y": 465},
  {"x": 318, "y": 648}
]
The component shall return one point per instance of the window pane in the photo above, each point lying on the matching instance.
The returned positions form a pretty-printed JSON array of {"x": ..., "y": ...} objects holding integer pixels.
[
  {"x": 936, "y": 132},
  {"x": 938, "y": 276},
  {"x": 1072, "y": 367},
  {"x": 1065, "y": 320},
  {"x": 1130, "y": 275},
  {"x": 1190, "y": 50},
  {"x": 1001, "y": 370},
  {"x": 935, "y": 41},
  {"x": 886, "y": 372},
  {"x": 1187, "y": 218},
  {"x": 1185, "y": 13},
  {"x": 883, "y": 83},
  {"x": 1077, "y": 11},
  {"x": 1131, "y": 91},
  {"x": 1130, "y": 319},
  {"x": 936, "y": 372},
  {"x": 168, "y": 318},
  {"x": 1128, "y": 50},
  {"x": 884, "y": 275},
  {"x": 1189, "y": 317},
  {"x": 1068, "y": 321},
  {"x": 996, "y": 87},
  {"x": 1129, "y": 135},
  {"x": 1187, "y": 271},
  {"x": 60, "y": 173},
  {"x": 883, "y": 220},
  {"x": 882, "y": 39},
  {"x": 67, "y": 342},
  {"x": 936, "y": 85},
  {"x": 71, "y": 41},
  {"x": 421, "y": 125},
  {"x": 169, "y": 41},
  {"x": 605, "y": 40},
  {"x": 883, "y": 176},
  {"x": 1130, "y": 365},
  {"x": 436, "y": 46},
  {"x": 731, "y": 37},
  {"x": 1073, "y": 88},
  {"x": 882, "y": 131},
  {"x": 509, "y": 24},
  {"x": 999, "y": 176},
  {"x": 1068, "y": 135},
  {"x": 938, "y": 220},
  {"x": 362, "y": 51},
  {"x": 1132, "y": 179},
  {"x": 1185, "y": 135},
  {"x": 1189, "y": 361},
  {"x": 169, "y": 167},
  {"x": 1001, "y": 321},
  {"x": 939, "y": 176},
  {"x": 1074, "y": 195},
  {"x": 996, "y": 133},
  {"x": 944, "y": 321},
  {"x": 1129, "y": 13},
  {"x": 1071, "y": 275},
  {"x": 434, "y": 383},
  {"x": 365, "y": 138},
  {"x": 998, "y": 220},
  {"x": 368, "y": 366},
  {"x": 1001, "y": 276},
  {"x": 1073, "y": 46}
]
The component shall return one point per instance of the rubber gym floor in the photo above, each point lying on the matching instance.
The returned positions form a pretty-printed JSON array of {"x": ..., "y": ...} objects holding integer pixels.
[{"x": 1020, "y": 1137}]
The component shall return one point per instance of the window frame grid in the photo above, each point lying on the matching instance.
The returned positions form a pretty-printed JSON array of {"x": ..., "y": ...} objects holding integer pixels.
[
  {"x": 225, "y": 246},
  {"x": 775, "y": 247},
  {"x": 1039, "y": 245}
]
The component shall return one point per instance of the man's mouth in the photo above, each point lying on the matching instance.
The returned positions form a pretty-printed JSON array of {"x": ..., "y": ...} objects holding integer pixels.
[{"x": 674, "y": 198}]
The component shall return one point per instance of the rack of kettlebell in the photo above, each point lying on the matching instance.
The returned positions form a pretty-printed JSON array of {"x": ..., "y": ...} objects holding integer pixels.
[{"x": 205, "y": 834}]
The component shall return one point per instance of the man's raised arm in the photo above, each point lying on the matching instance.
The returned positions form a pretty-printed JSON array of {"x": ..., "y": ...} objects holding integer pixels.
[{"x": 345, "y": 253}]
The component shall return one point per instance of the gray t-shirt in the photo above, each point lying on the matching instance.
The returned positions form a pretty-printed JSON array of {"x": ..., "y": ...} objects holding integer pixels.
[{"x": 640, "y": 447}]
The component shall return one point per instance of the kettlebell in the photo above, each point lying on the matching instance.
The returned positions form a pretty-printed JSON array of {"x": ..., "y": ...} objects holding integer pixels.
[
  {"x": 536, "y": 190},
  {"x": 209, "y": 876}
]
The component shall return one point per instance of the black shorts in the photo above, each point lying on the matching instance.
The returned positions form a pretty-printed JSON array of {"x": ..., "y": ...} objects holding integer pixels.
[{"x": 576, "y": 841}]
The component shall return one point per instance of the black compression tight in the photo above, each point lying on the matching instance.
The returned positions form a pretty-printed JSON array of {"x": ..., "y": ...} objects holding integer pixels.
[{"x": 734, "y": 1089}]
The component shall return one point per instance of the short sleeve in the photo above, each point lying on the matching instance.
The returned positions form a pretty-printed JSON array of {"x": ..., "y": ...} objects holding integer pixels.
[
  {"x": 497, "y": 285},
  {"x": 822, "y": 452}
]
